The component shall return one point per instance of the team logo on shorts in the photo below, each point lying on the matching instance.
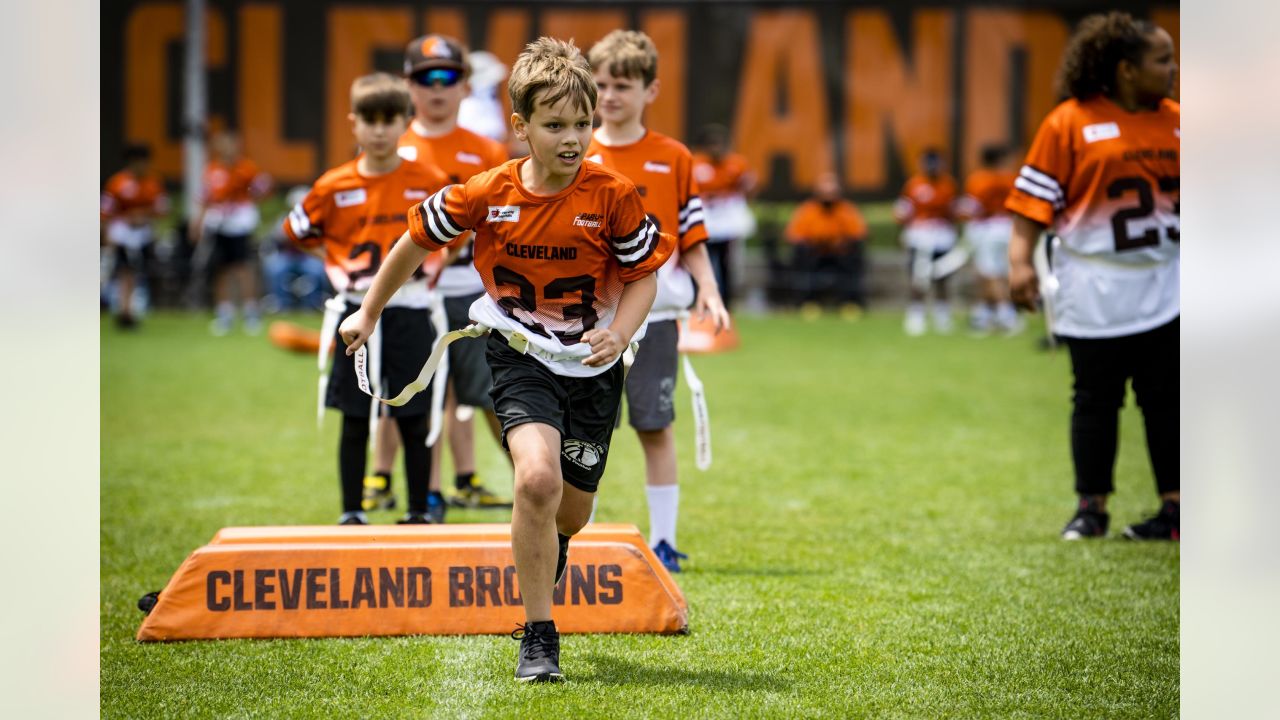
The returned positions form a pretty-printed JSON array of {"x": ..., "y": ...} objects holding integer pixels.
[{"x": 585, "y": 455}]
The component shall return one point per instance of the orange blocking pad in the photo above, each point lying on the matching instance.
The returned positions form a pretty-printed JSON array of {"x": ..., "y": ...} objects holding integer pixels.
[{"x": 430, "y": 584}]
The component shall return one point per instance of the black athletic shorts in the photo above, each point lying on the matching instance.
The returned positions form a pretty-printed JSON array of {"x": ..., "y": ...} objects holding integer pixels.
[
  {"x": 135, "y": 259},
  {"x": 651, "y": 383},
  {"x": 407, "y": 335},
  {"x": 468, "y": 370},
  {"x": 584, "y": 410},
  {"x": 230, "y": 249}
]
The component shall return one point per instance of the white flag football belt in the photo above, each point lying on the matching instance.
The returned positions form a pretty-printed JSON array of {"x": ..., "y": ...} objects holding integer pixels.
[{"x": 701, "y": 417}]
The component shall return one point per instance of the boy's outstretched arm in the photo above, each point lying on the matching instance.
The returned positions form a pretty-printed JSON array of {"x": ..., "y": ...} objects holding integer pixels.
[
  {"x": 709, "y": 303},
  {"x": 405, "y": 257},
  {"x": 633, "y": 307}
]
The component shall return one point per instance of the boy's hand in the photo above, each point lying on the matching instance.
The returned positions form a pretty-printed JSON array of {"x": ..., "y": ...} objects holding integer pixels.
[
  {"x": 356, "y": 329},
  {"x": 709, "y": 304},
  {"x": 606, "y": 346},
  {"x": 1023, "y": 285}
]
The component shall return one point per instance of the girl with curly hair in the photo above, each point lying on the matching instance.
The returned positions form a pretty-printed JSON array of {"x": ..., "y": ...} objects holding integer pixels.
[{"x": 1102, "y": 178}]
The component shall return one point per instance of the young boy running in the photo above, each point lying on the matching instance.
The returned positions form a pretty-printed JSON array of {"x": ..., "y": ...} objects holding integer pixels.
[
  {"x": 567, "y": 256},
  {"x": 625, "y": 64},
  {"x": 352, "y": 217}
]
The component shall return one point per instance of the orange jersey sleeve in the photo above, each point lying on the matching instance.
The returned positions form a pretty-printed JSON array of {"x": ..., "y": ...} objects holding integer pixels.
[
  {"x": 985, "y": 192},
  {"x": 555, "y": 263},
  {"x": 662, "y": 170}
]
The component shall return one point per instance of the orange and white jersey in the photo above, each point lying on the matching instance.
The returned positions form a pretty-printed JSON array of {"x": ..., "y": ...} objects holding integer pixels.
[
  {"x": 723, "y": 183},
  {"x": 230, "y": 194},
  {"x": 988, "y": 225},
  {"x": 129, "y": 205},
  {"x": 460, "y": 154},
  {"x": 553, "y": 266},
  {"x": 926, "y": 210},
  {"x": 662, "y": 170},
  {"x": 357, "y": 218},
  {"x": 1106, "y": 182}
]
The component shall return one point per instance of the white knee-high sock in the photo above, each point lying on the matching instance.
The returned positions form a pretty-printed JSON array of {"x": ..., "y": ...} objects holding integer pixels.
[{"x": 664, "y": 505}]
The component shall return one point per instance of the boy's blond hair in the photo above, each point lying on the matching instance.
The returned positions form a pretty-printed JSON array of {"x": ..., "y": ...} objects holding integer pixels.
[
  {"x": 558, "y": 68},
  {"x": 626, "y": 54},
  {"x": 379, "y": 96}
]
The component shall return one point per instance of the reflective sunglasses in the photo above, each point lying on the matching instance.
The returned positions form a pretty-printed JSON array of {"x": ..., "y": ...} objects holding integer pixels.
[{"x": 444, "y": 77}]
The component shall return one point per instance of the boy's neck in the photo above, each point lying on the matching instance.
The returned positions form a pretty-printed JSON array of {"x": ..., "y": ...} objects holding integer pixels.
[
  {"x": 371, "y": 166},
  {"x": 539, "y": 181},
  {"x": 625, "y": 133},
  {"x": 426, "y": 127}
]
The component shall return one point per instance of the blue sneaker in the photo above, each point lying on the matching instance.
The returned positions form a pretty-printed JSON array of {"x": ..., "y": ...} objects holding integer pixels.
[
  {"x": 436, "y": 508},
  {"x": 669, "y": 556}
]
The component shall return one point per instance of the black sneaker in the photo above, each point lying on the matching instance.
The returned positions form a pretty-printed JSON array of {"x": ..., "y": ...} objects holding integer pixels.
[
  {"x": 353, "y": 518},
  {"x": 1089, "y": 522},
  {"x": 539, "y": 652},
  {"x": 475, "y": 495},
  {"x": 1163, "y": 525},
  {"x": 562, "y": 562},
  {"x": 436, "y": 507},
  {"x": 415, "y": 518}
]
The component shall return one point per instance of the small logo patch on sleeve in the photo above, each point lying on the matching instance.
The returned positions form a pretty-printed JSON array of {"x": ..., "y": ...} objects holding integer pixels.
[
  {"x": 503, "y": 213},
  {"x": 347, "y": 198},
  {"x": 1101, "y": 131}
]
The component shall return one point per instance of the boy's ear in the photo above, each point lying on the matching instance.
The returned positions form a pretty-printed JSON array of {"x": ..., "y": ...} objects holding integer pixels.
[
  {"x": 518, "y": 127},
  {"x": 651, "y": 92}
]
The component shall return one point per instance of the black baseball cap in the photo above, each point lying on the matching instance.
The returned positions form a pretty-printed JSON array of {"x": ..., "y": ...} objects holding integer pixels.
[{"x": 432, "y": 51}]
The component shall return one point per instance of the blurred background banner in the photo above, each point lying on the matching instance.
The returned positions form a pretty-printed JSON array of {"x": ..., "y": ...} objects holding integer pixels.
[{"x": 859, "y": 89}]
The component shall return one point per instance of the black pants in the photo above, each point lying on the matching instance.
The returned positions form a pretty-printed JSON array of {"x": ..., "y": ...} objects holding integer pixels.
[
  {"x": 721, "y": 266},
  {"x": 1102, "y": 366},
  {"x": 829, "y": 274}
]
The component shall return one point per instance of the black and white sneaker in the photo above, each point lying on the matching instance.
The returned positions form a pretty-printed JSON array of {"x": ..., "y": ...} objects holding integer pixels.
[
  {"x": 415, "y": 518},
  {"x": 1164, "y": 525},
  {"x": 562, "y": 561},
  {"x": 353, "y": 517},
  {"x": 1089, "y": 522},
  {"x": 539, "y": 652}
]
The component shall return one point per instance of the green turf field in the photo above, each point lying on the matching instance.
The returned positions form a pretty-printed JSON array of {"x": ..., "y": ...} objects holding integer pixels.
[{"x": 877, "y": 538}]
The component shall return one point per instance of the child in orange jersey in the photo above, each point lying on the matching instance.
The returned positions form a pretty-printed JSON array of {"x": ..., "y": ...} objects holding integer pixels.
[
  {"x": 725, "y": 181},
  {"x": 568, "y": 257},
  {"x": 228, "y": 217},
  {"x": 132, "y": 199},
  {"x": 625, "y": 63},
  {"x": 437, "y": 68},
  {"x": 925, "y": 209},
  {"x": 351, "y": 218},
  {"x": 987, "y": 228},
  {"x": 828, "y": 233},
  {"x": 1103, "y": 174}
]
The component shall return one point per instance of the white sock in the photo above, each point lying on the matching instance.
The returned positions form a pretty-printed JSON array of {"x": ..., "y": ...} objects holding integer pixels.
[
  {"x": 1005, "y": 314},
  {"x": 226, "y": 311},
  {"x": 251, "y": 309},
  {"x": 664, "y": 504}
]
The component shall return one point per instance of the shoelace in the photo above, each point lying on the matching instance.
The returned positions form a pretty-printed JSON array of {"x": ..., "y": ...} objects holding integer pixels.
[{"x": 540, "y": 645}]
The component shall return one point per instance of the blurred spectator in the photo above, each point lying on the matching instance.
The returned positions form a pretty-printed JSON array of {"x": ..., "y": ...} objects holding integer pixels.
[
  {"x": 987, "y": 232},
  {"x": 724, "y": 182},
  {"x": 481, "y": 111},
  {"x": 131, "y": 201},
  {"x": 828, "y": 233},
  {"x": 295, "y": 279},
  {"x": 223, "y": 227},
  {"x": 925, "y": 209}
]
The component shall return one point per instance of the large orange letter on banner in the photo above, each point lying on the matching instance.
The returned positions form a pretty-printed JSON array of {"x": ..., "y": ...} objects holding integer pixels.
[
  {"x": 882, "y": 92},
  {"x": 783, "y": 60},
  {"x": 354, "y": 33},
  {"x": 148, "y": 33},
  {"x": 508, "y": 33},
  {"x": 445, "y": 21},
  {"x": 262, "y": 97},
  {"x": 993, "y": 35},
  {"x": 668, "y": 30}
]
